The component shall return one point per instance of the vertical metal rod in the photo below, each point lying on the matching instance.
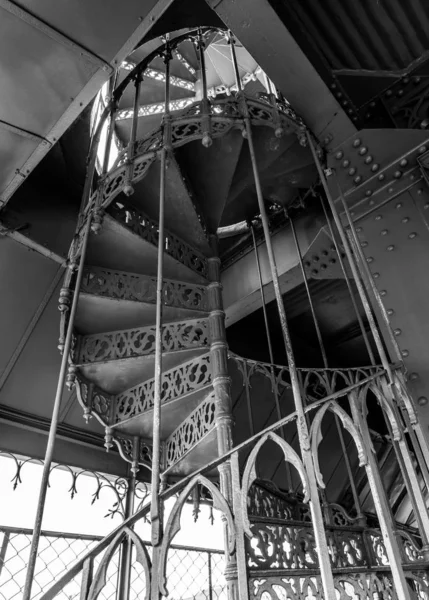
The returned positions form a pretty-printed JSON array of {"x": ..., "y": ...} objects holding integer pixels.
[
  {"x": 350, "y": 258},
  {"x": 270, "y": 351},
  {"x": 248, "y": 400},
  {"x": 367, "y": 275},
  {"x": 210, "y": 575},
  {"x": 3, "y": 549},
  {"x": 54, "y": 422},
  {"x": 307, "y": 289},
  {"x": 349, "y": 287},
  {"x": 111, "y": 125},
  {"x": 261, "y": 289},
  {"x": 326, "y": 365},
  {"x": 156, "y": 436},
  {"x": 124, "y": 579},
  {"x": 303, "y": 433},
  {"x": 234, "y": 61},
  {"x": 135, "y": 121},
  {"x": 201, "y": 47}
]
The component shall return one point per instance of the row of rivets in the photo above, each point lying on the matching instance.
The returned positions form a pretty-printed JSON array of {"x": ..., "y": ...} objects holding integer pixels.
[{"x": 422, "y": 400}]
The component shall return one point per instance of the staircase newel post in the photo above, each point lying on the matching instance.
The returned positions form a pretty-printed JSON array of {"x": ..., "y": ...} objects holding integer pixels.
[
  {"x": 381, "y": 502},
  {"x": 302, "y": 427},
  {"x": 222, "y": 390}
]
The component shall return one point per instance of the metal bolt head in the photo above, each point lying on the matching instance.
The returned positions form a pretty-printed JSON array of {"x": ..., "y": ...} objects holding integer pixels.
[
  {"x": 363, "y": 150},
  {"x": 390, "y": 248},
  {"x": 405, "y": 219},
  {"x": 419, "y": 191},
  {"x": 412, "y": 235},
  {"x": 397, "y": 174},
  {"x": 422, "y": 401},
  {"x": 426, "y": 206},
  {"x": 346, "y": 163},
  {"x": 383, "y": 293},
  {"x": 358, "y": 229},
  {"x": 399, "y": 205},
  {"x": 368, "y": 193},
  {"x": 376, "y": 275},
  {"x": 368, "y": 159},
  {"x": 378, "y": 217},
  {"x": 422, "y": 149},
  {"x": 403, "y": 163},
  {"x": 381, "y": 177},
  {"x": 389, "y": 93},
  {"x": 414, "y": 376},
  {"x": 397, "y": 332},
  {"x": 405, "y": 353},
  {"x": 375, "y": 167},
  {"x": 369, "y": 259},
  {"x": 357, "y": 179},
  {"x": 339, "y": 155},
  {"x": 357, "y": 143},
  {"x": 364, "y": 244},
  {"x": 385, "y": 232},
  {"x": 371, "y": 202},
  {"x": 390, "y": 311},
  {"x": 352, "y": 171}
]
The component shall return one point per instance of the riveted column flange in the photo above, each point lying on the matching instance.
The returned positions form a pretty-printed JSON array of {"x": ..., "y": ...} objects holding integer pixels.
[{"x": 395, "y": 241}]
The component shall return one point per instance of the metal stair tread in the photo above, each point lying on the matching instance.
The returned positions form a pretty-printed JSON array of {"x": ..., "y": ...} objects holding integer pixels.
[
  {"x": 172, "y": 412},
  {"x": 136, "y": 255},
  {"x": 119, "y": 300}
]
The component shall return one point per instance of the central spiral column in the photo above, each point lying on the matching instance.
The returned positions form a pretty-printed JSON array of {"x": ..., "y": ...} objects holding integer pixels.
[{"x": 222, "y": 390}]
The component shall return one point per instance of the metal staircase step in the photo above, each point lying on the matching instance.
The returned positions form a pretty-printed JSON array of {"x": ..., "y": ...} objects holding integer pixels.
[
  {"x": 183, "y": 211},
  {"x": 118, "y": 360},
  {"x": 137, "y": 236},
  {"x": 193, "y": 444},
  {"x": 183, "y": 388},
  {"x": 116, "y": 300}
]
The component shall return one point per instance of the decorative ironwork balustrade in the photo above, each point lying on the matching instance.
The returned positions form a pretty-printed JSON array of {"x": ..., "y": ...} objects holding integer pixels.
[
  {"x": 140, "y": 341},
  {"x": 141, "y": 288},
  {"x": 282, "y": 551}
]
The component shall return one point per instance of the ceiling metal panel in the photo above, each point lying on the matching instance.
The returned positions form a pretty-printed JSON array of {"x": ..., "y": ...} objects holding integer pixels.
[
  {"x": 24, "y": 278},
  {"x": 384, "y": 35},
  {"x": 14, "y": 149},
  {"x": 102, "y": 26},
  {"x": 32, "y": 69}
]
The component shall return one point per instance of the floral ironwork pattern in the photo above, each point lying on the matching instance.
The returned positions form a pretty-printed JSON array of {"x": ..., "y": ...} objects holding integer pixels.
[
  {"x": 141, "y": 288},
  {"x": 191, "y": 431},
  {"x": 184, "y": 335},
  {"x": 186, "y": 378}
]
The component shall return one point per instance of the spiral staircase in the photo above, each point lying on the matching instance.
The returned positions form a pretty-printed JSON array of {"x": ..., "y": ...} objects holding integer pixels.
[{"x": 208, "y": 184}]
